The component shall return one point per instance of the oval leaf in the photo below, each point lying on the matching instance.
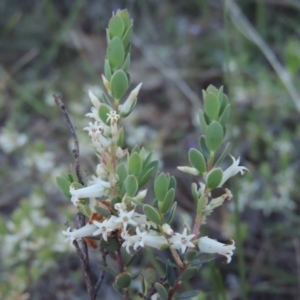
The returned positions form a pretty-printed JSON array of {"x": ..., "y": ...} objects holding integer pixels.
[
  {"x": 123, "y": 280},
  {"x": 168, "y": 201},
  {"x": 161, "y": 291},
  {"x": 214, "y": 178},
  {"x": 115, "y": 53},
  {"x": 188, "y": 273},
  {"x": 197, "y": 160},
  {"x": 152, "y": 214},
  {"x": 187, "y": 295},
  {"x": 103, "y": 112},
  {"x": 211, "y": 106},
  {"x": 131, "y": 185},
  {"x": 225, "y": 116},
  {"x": 119, "y": 84},
  {"x": 214, "y": 136},
  {"x": 116, "y": 27},
  {"x": 161, "y": 186},
  {"x": 64, "y": 185},
  {"x": 135, "y": 163},
  {"x": 150, "y": 276}
]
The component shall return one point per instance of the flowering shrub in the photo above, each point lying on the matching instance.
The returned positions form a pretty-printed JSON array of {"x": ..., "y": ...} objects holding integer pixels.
[{"x": 112, "y": 215}]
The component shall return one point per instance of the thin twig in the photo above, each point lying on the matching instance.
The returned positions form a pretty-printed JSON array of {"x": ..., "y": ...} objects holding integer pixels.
[
  {"x": 121, "y": 269},
  {"x": 102, "y": 276},
  {"x": 87, "y": 272},
  {"x": 62, "y": 106},
  {"x": 245, "y": 27},
  {"x": 83, "y": 252}
]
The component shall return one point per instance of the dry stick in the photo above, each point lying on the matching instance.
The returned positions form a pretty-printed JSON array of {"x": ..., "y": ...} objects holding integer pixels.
[
  {"x": 82, "y": 253},
  {"x": 121, "y": 269},
  {"x": 87, "y": 272},
  {"x": 101, "y": 278}
]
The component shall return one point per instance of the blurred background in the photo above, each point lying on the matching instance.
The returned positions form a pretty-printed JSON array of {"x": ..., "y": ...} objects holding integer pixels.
[{"x": 252, "y": 47}]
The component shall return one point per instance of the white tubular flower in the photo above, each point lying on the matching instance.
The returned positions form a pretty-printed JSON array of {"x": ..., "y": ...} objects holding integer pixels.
[
  {"x": 84, "y": 231},
  {"x": 208, "y": 245},
  {"x": 189, "y": 170},
  {"x": 94, "y": 114},
  {"x": 129, "y": 240},
  {"x": 95, "y": 101},
  {"x": 182, "y": 241},
  {"x": 112, "y": 116},
  {"x": 105, "y": 227},
  {"x": 233, "y": 170},
  {"x": 126, "y": 107},
  {"x": 125, "y": 217},
  {"x": 140, "y": 196},
  {"x": 167, "y": 229},
  {"x": 120, "y": 153},
  {"x": 154, "y": 240},
  {"x": 142, "y": 221},
  {"x": 96, "y": 190}
]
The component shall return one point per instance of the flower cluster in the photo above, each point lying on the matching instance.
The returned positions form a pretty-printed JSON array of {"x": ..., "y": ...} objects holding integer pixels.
[{"x": 134, "y": 229}]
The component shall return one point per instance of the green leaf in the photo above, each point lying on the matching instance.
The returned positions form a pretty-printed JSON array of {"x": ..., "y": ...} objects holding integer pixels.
[
  {"x": 103, "y": 211},
  {"x": 132, "y": 258},
  {"x": 64, "y": 185},
  {"x": 119, "y": 84},
  {"x": 170, "y": 275},
  {"x": 161, "y": 186},
  {"x": 147, "y": 172},
  {"x": 173, "y": 183},
  {"x": 111, "y": 245},
  {"x": 115, "y": 53},
  {"x": 144, "y": 177},
  {"x": 126, "y": 64},
  {"x": 127, "y": 36},
  {"x": 152, "y": 214},
  {"x": 188, "y": 273},
  {"x": 108, "y": 270},
  {"x": 211, "y": 106},
  {"x": 122, "y": 173},
  {"x": 123, "y": 280},
  {"x": 197, "y": 160},
  {"x": 224, "y": 102},
  {"x": 135, "y": 163},
  {"x": 172, "y": 212},
  {"x": 223, "y": 155},
  {"x": 103, "y": 112},
  {"x": 214, "y": 136},
  {"x": 136, "y": 274},
  {"x": 212, "y": 89},
  {"x": 214, "y": 178},
  {"x": 150, "y": 276},
  {"x": 190, "y": 255},
  {"x": 162, "y": 292},
  {"x": 107, "y": 70},
  {"x": 147, "y": 160},
  {"x": 116, "y": 27},
  {"x": 124, "y": 15},
  {"x": 131, "y": 185},
  {"x": 105, "y": 100},
  {"x": 168, "y": 201},
  {"x": 203, "y": 146},
  {"x": 203, "y": 123},
  {"x": 188, "y": 295},
  {"x": 225, "y": 116}
]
